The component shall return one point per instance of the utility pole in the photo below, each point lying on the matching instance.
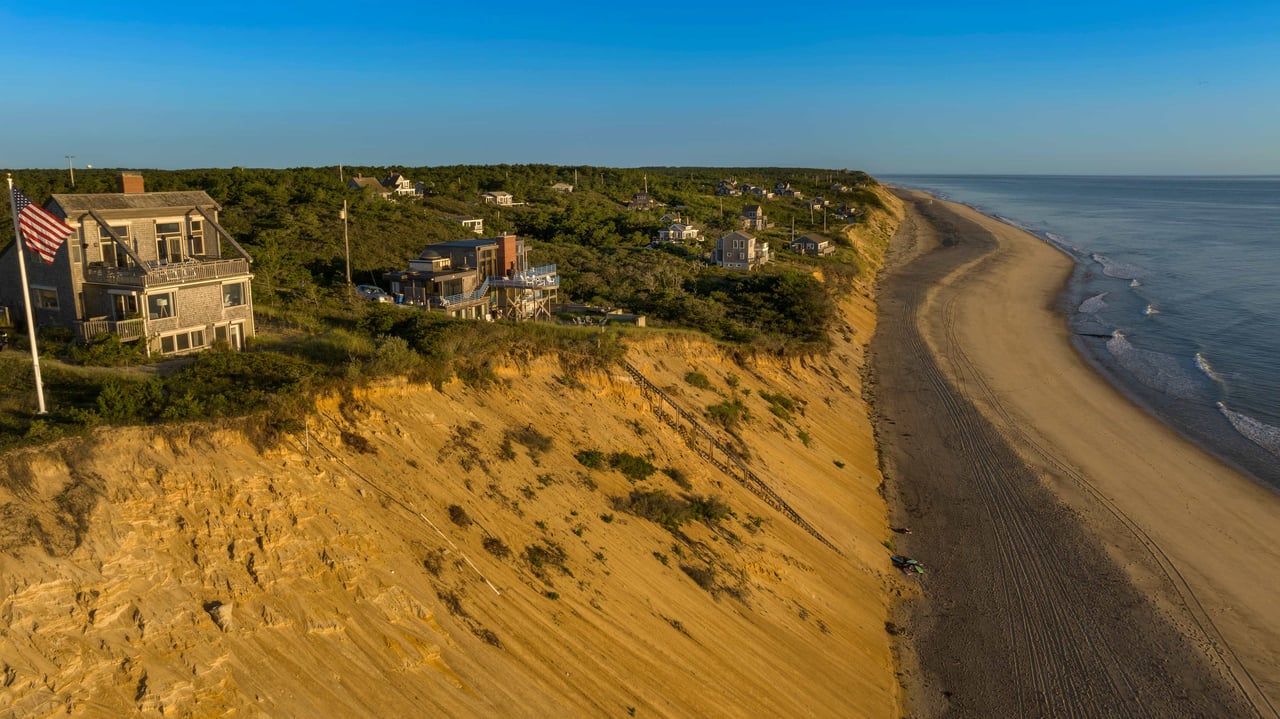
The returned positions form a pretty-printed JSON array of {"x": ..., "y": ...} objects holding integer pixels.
[
  {"x": 340, "y": 177},
  {"x": 71, "y": 169},
  {"x": 346, "y": 242}
]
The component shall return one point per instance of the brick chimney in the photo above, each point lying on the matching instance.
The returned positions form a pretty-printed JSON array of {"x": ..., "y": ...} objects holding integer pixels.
[{"x": 131, "y": 182}]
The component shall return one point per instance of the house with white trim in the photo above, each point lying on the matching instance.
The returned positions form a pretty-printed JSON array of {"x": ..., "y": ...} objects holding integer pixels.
[{"x": 150, "y": 267}]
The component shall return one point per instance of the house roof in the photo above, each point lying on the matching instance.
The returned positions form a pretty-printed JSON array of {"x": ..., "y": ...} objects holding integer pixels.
[
  {"x": 134, "y": 200},
  {"x": 751, "y": 208},
  {"x": 465, "y": 243},
  {"x": 737, "y": 235},
  {"x": 680, "y": 228},
  {"x": 368, "y": 183},
  {"x": 498, "y": 193},
  {"x": 819, "y": 239}
]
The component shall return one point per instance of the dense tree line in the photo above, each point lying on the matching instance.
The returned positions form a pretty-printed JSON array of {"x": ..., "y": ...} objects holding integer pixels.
[{"x": 289, "y": 221}]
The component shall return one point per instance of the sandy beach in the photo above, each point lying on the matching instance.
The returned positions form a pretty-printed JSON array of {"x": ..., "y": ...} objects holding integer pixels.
[{"x": 1084, "y": 559}]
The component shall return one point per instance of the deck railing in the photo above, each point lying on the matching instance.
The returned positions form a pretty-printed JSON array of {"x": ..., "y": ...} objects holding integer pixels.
[
  {"x": 171, "y": 274},
  {"x": 462, "y": 298},
  {"x": 124, "y": 329},
  {"x": 543, "y": 276}
]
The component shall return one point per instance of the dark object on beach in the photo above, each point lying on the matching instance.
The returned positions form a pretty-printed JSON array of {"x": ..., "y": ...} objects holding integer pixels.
[
  {"x": 900, "y": 530},
  {"x": 907, "y": 565},
  {"x": 4, "y": 340}
]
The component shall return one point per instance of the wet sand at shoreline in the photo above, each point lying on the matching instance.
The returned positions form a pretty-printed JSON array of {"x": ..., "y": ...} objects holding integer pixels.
[{"x": 1083, "y": 559}]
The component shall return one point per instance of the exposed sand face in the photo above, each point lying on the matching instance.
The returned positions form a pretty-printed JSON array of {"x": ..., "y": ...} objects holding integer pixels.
[
  {"x": 1201, "y": 543},
  {"x": 319, "y": 579}
]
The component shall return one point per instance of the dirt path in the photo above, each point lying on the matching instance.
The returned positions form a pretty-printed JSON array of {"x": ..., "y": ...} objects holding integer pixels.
[{"x": 1023, "y": 613}]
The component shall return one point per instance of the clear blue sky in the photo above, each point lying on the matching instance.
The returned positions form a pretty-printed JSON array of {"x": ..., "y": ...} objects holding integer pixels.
[{"x": 1081, "y": 88}]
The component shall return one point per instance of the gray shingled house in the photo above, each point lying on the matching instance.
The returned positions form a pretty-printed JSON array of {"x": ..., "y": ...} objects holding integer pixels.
[{"x": 143, "y": 266}]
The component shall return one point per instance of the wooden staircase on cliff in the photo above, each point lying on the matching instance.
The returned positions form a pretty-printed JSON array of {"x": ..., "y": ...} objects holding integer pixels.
[{"x": 710, "y": 448}]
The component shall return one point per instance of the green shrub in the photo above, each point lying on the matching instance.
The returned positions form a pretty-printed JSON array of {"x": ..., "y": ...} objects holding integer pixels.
[
  {"x": 655, "y": 505},
  {"x": 545, "y": 555},
  {"x": 634, "y": 467},
  {"x": 728, "y": 414},
  {"x": 704, "y": 577},
  {"x": 780, "y": 405},
  {"x": 697, "y": 379},
  {"x": 591, "y": 458},
  {"x": 678, "y": 476},
  {"x": 533, "y": 440},
  {"x": 108, "y": 351},
  {"x": 496, "y": 547},
  {"x": 459, "y": 516},
  {"x": 707, "y": 509}
]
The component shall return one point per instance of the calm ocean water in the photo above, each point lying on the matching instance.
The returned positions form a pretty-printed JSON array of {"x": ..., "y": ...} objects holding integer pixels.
[{"x": 1176, "y": 293}]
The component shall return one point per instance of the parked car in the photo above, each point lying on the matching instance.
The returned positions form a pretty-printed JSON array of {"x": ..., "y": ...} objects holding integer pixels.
[{"x": 373, "y": 293}]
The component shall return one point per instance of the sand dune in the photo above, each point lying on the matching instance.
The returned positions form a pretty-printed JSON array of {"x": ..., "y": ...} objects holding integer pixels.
[{"x": 179, "y": 570}]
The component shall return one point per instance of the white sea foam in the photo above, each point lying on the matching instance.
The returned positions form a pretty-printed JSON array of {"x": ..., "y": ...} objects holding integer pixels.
[
  {"x": 1135, "y": 283},
  {"x": 1261, "y": 434},
  {"x": 1203, "y": 363},
  {"x": 1093, "y": 304},
  {"x": 1151, "y": 310},
  {"x": 1118, "y": 270},
  {"x": 1162, "y": 372}
]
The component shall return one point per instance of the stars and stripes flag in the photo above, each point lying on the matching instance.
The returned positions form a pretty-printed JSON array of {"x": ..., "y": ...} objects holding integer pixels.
[{"x": 44, "y": 233}]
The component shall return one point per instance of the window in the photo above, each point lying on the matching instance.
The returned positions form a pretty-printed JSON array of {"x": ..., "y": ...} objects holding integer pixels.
[
  {"x": 113, "y": 256},
  {"x": 182, "y": 342},
  {"x": 195, "y": 240},
  {"x": 169, "y": 241},
  {"x": 161, "y": 306},
  {"x": 75, "y": 246},
  {"x": 124, "y": 306},
  {"x": 233, "y": 295},
  {"x": 46, "y": 298}
]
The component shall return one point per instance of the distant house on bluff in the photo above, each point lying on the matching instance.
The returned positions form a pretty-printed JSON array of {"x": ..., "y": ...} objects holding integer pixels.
[
  {"x": 144, "y": 266},
  {"x": 740, "y": 251},
  {"x": 369, "y": 185}
]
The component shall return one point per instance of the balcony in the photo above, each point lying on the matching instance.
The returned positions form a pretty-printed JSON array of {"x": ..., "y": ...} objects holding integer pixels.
[
  {"x": 124, "y": 330},
  {"x": 544, "y": 277},
  {"x": 157, "y": 275}
]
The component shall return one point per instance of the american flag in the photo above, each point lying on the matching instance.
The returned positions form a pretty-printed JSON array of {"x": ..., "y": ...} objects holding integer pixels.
[{"x": 43, "y": 232}]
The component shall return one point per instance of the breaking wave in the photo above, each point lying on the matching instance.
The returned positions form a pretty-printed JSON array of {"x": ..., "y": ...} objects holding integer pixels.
[
  {"x": 1093, "y": 304},
  {"x": 1118, "y": 270},
  {"x": 1162, "y": 372},
  {"x": 1135, "y": 283},
  {"x": 1151, "y": 310},
  {"x": 1261, "y": 434},
  {"x": 1203, "y": 364}
]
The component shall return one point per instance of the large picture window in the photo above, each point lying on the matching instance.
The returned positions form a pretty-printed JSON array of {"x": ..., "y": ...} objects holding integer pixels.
[
  {"x": 161, "y": 306},
  {"x": 233, "y": 295}
]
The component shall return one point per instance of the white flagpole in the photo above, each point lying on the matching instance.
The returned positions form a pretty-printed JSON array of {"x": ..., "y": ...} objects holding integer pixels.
[{"x": 26, "y": 295}]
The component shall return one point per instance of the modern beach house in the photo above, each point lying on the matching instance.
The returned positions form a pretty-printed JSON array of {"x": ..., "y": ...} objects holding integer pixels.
[
  {"x": 143, "y": 266},
  {"x": 478, "y": 279}
]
